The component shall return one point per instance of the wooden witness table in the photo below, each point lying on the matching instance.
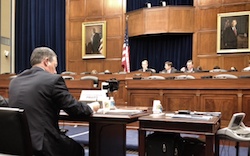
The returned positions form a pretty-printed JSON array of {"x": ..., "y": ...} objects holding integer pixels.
[
  {"x": 166, "y": 124},
  {"x": 107, "y": 132}
]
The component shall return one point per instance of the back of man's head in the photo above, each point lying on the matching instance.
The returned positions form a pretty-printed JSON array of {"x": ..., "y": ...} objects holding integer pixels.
[{"x": 40, "y": 53}]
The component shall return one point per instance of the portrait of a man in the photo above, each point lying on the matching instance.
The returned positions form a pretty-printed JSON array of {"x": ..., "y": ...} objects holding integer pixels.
[
  {"x": 230, "y": 35},
  {"x": 233, "y": 32},
  {"x": 94, "y": 39}
]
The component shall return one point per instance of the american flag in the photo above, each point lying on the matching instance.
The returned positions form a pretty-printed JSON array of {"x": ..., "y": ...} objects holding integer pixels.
[{"x": 125, "y": 52}]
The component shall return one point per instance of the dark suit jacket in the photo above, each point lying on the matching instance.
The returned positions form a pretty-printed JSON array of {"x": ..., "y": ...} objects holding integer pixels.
[
  {"x": 173, "y": 70},
  {"x": 193, "y": 71},
  {"x": 229, "y": 38},
  {"x": 96, "y": 43},
  {"x": 42, "y": 95},
  {"x": 148, "y": 70}
]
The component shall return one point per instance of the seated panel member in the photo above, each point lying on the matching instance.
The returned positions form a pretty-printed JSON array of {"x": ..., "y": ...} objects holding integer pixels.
[
  {"x": 169, "y": 68},
  {"x": 42, "y": 94},
  {"x": 189, "y": 67},
  {"x": 145, "y": 68}
]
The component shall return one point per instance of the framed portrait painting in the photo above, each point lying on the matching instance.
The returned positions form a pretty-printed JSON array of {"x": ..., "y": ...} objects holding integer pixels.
[
  {"x": 94, "y": 39},
  {"x": 233, "y": 32}
]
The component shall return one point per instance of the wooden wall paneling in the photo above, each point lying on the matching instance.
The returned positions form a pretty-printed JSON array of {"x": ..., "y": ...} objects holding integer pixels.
[
  {"x": 114, "y": 47},
  {"x": 135, "y": 23},
  {"x": 185, "y": 22},
  {"x": 156, "y": 20},
  {"x": 161, "y": 20},
  {"x": 94, "y": 8},
  {"x": 76, "y": 8},
  {"x": 96, "y": 64},
  {"x": 234, "y": 61},
  {"x": 114, "y": 26},
  {"x": 246, "y": 106},
  {"x": 112, "y": 8},
  {"x": 75, "y": 30},
  {"x": 75, "y": 50},
  {"x": 209, "y": 2},
  {"x": 208, "y": 18},
  {"x": 175, "y": 100},
  {"x": 226, "y": 103},
  {"x": 143, "y": 97},
  {"x": 77, "y": 66},
  {"x": 207, "y": 43},
  {"x": 221, "y": 61},
  {"x": 233, "y": 2},
  {"x": 247, "y": 6},
  {"x": 195, "y": 49},
  {"x": 113, "y": 65},
  {"x": 234, "y": 8},
  {"x": 208, "y": 63},
  {"x": 79, "y": 11}
]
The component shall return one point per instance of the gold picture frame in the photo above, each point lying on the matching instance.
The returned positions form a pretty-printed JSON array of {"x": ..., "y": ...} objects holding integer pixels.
[
  {"x": 230, "y": 38},
  {"x": 94, "y": 40}
]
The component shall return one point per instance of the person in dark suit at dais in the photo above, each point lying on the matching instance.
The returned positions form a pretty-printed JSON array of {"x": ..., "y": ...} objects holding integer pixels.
[
  {"x": 144, "y": 65},
  {"x": 169, "y": 68},
  {"x": 42, "y": 94}
]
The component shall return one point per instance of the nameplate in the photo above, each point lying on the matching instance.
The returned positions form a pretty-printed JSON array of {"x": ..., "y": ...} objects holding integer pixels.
[{"x": 93, "y": 95}]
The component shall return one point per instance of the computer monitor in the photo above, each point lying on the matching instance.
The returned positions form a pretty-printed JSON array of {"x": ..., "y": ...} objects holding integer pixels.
[{"x": 236, "y": 121}]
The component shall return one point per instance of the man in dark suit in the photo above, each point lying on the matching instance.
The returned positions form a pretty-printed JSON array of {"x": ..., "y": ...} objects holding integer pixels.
[
  {"x": 144, "y": 65},
  {"x": 189, "y": 67},
  {"x": 168, "y": 68},
  {"x": 96, "y": 41},
  {"x": 42, "y": 94},
  {"x": 230, "y": 36}
]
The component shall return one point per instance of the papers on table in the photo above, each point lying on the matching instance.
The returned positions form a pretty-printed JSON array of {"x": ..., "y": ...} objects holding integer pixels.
[
  {"x": 119, "y": 111},
  {"x": 93, "y": 95},
  {"x": 189, "y": 116}
]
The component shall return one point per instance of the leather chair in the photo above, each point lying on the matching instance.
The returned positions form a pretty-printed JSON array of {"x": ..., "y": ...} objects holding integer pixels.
[
  {"x": 155, "y": 77},
  {"x": 182, "y": 77},
  {"x": 225, "y": 76},
  {"x": 68, "y": 77},
  {"x": 93, "y": 78},
  {"x": 68, "y": 73},
  {"x": 14, "y": 132},
  {"x": 217, "y": 70},
  {"x": 247, "y": 69}
]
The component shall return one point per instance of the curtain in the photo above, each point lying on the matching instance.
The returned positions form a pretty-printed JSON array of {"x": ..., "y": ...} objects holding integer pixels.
[
  {"x": 39, "y": 23},
  {"x": 157, "y": 49}
]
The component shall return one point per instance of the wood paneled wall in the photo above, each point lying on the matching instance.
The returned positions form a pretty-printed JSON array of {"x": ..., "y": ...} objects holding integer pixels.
[
  {"x": 79, "y": 11},
  {"x": 204, "y": 38},
  {"x": 113, "y": 11},
  {"x": 158, "y": 20}
]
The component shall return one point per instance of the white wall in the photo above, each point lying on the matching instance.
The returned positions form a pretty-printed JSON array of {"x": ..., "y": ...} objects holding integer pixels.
[{"x": 6, "y": 34}]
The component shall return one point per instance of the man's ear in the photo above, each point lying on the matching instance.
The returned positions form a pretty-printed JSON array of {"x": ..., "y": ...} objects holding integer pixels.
[{"x": 46, "y": 62}]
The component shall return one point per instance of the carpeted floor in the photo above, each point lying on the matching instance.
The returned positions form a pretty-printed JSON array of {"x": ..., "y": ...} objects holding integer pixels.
[{"x": 81, "y": 135}]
